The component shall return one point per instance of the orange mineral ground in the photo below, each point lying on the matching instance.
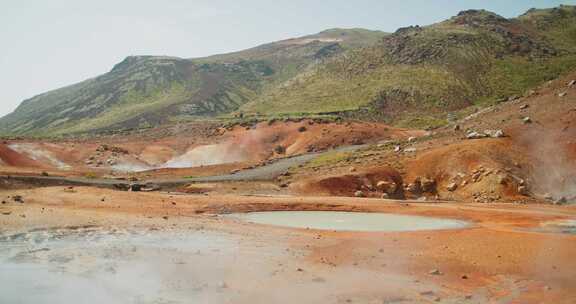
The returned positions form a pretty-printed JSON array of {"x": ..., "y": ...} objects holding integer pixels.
[{"x": 66, "y": 218}]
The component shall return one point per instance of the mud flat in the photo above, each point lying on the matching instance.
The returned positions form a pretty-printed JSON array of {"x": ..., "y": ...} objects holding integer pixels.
[{"x": 96, "y": 245}]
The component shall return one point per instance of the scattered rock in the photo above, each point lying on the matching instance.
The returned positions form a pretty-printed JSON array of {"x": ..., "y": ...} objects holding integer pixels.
[
  {"x": 410, "y": 150},
  {"x": 527, "y": 120},
  {"x": 135, "y": 187},
  {"x": 385, "y": 196},
  {"x": 302, "y": 129},
  {"x": 352, "y": 169},
  {"x": 397, "y": 149},
  {"x": 457, "y": 128},
  {"x": 560, "y": 201},
  {"x": 411, "y": 139},
  {"x": 502, "y": 179},
  {"x": 523, "y": 190},
  {"x": 475, "y": 135},
  {"x": 571, "y": 83},
  {"x": 428, "y": 185},
  {"x": 150, "y": 187},
  {"x": 18, "y": 199},
  {"x": 563, "y": 94},
  {"x": 387, "y": 187},
  {"x": 435, "y": 272},
  {"x": 223, "y": 285},
  {"x": 280, "y": 149},
  {"x": 452, "y": 187},
  {"x": 524, "y": 107},
  {"x": 359, "y": 194},
  {"x": 6, "y": 212},
  {"x": 494, "y": 133}
]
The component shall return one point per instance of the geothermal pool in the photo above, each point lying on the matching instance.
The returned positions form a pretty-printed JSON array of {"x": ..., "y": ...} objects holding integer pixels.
[
  {"x": 94, "y": 265},
  {"x": 97, "y": 265},
  {"x": 350, "y": 221}
]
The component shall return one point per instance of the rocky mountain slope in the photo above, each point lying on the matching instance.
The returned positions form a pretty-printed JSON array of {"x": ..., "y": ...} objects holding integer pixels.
[
  {"x": 417, "y": 75},
  {"x": 143, "y": 91}
]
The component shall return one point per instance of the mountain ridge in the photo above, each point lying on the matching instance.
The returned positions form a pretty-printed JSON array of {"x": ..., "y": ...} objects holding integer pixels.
[
  {"x": 416, "y": 75},
  {"x": 413, "y": 77},
  {"x": 142, "y": 91}
]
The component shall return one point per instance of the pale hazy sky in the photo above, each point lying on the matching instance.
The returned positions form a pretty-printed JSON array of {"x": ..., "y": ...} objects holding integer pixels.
[{"x": 47, "y": 44}]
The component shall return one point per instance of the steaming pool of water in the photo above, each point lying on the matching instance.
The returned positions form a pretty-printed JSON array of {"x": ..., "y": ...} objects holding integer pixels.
[
  {"x": 350, "y": 221},
  {"x": 96, "y": 265}
]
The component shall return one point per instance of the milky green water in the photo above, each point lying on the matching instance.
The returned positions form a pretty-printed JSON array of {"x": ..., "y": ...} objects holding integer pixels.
[{"x": 350, "y": 221}]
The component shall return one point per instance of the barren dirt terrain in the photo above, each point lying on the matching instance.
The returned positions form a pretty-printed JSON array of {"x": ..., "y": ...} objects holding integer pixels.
[{"x": 150, "y": 220}]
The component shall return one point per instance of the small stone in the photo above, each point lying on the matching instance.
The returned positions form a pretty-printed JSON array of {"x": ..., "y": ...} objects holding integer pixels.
[
  {"x": 397, "y": 149},
  {"x": 359, "y": 194},
  {"x": 464, "y": 277},
  {"x": 452, "y": 187},
  {"x": 456, "y": 127},
  {"x": 523, "y": 190},
  {"x": 563, "y": 94},
  {"x": 435, "y": 272},
  {"x": 571, "y": 83},
  {"x": 494, "y": 133},
  {"x": 560, "y": 201},
  {"x": 475, "y": 135},
  {"x": 524, "y": 107},
  {"x": 411, "y": 139},
  {"x": 527, "y": 120},
  {"x": 223, "y": 285},
  {"x": 352, "y": 169}
]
